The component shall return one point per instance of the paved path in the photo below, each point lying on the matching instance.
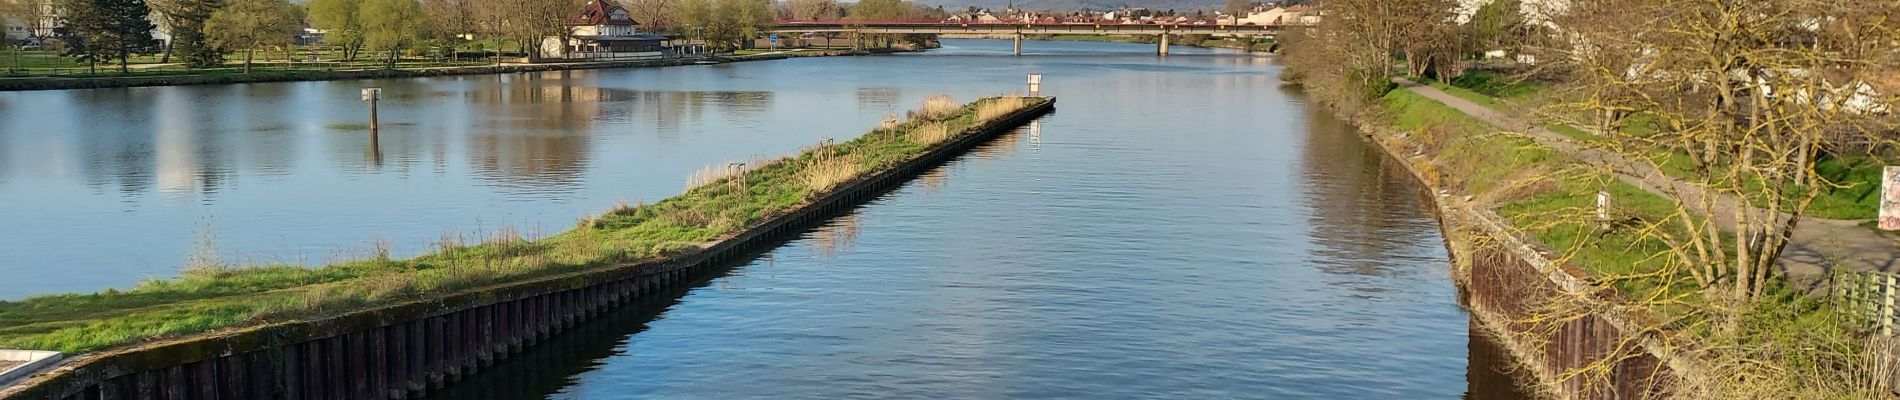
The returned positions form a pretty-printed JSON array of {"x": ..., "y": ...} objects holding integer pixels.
[{"x": 1818, "y": 246}]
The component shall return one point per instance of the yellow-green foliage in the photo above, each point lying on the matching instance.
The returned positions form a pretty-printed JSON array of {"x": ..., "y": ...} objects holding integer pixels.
[{"x": 238, "y": 296}]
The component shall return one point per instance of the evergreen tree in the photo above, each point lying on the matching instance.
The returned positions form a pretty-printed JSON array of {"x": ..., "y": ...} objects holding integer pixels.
[
  {"x": 187, "y": 21},
  {"x": 106, "y": 30}
]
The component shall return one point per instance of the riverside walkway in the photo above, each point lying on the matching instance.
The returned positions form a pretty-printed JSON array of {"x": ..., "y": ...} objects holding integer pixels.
[{"x": 1819, "y": 246}]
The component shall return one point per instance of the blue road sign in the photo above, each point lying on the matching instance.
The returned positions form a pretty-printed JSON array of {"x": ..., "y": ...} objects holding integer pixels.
[{"x": 774, "y": 38}]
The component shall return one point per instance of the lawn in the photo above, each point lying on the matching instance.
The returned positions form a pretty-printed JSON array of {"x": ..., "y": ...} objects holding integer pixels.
[{"x": 1854, "y": 194}]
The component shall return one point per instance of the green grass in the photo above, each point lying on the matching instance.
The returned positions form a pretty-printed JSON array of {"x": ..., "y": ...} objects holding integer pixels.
[
  {"x": 1857, "y": 176},
  {"x": 1463, "y": 93},
  {"x": 1494, "y": 84},
  {"x": 1573, "y": 133},
  {"x": 1858, "y": 197},
  {"x": 212, "y": 297}
]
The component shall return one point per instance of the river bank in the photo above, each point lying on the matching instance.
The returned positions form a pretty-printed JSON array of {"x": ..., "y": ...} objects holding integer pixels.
[
  {"x": 1515, "y": 286},
  {"x": 1577, "y": 294},
  {"x": 261, "y": 76},
  {"x": 731, "y": 211}
]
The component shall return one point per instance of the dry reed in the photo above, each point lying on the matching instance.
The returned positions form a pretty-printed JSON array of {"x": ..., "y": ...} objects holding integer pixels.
[
  {"x": 936, "y": 108},
  {"x": 824, "y": 173},
  {"x": 999, "y": 107},
  {"x": 716, "y": 173},
  {"x": 890, "y": 122},
  {"x": 931, "y": 134}
]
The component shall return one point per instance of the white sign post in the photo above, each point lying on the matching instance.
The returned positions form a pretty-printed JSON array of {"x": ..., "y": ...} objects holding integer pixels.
[
  {"x": 1603, "y": 206},
  {"x": 1035, "y": 85},
  {"x": 1890, "y": 198}
]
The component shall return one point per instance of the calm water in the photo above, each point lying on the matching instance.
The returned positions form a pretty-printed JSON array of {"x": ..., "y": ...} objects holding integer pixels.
[{"x": 1179, "y": 228}]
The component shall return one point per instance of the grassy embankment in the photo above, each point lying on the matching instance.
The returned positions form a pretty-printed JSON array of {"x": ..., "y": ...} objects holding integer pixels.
[
  {"x": 1551, "y": 197},
  {"x": 718, "y": 202},
  {"x": 1857, "y": 197}
]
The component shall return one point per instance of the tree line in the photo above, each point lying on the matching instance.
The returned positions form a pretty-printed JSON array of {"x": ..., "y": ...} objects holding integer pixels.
[{"x": 205, "y": 32}]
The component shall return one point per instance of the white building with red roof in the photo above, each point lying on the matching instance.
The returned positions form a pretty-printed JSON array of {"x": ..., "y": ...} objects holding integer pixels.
[{"x": 603, "y": 30}]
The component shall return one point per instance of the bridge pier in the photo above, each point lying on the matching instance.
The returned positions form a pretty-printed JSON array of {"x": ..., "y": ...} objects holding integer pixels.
[
  {"x": 1019, "y": 43},
  {"x": 1162, "y": 48}
]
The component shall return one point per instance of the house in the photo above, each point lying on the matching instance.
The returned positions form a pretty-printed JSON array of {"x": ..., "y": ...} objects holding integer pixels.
[
  {"x": 1271, "y": 16},
  {"x": 37, "y": 24},
  {"x": 603, "y": 30},
  {"x": 43, "y": 16}
]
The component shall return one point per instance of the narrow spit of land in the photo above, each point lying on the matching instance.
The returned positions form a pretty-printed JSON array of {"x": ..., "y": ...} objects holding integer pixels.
[
  {"x": 721, "y": 202},
  {"x": 1819, "y": 246}
]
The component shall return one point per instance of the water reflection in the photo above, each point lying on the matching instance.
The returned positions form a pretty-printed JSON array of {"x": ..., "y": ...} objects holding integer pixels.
[{"x": 1177, "y": 216}]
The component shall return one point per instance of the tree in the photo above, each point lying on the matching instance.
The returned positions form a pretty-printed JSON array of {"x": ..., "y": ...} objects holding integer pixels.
[
  {"x": 655, "y": 14},
  {"x": 391, "y": 26},
  {"x": 186, "y": 19},
  {"x": 343, "y": 23},
  {"x": 250, "y": 24},
  {"x": 1753, "y": 94},
  {"x": 448, "y": 21},
  {"x": 11, "y": 11},
  {"x": 873, "y": 10},
  {"x": 530, "y": 21},
  {"x": 1496, "y": 25},
  {"x": 744, "y": 19},
  {"x": 106, "y": 30},
  {"x": 811, "y": 10}
]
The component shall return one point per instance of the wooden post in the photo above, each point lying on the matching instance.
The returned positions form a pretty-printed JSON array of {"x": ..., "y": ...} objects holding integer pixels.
[
  {"x": 371, "y": 95},
  {"x": 1891, "y": 281}
]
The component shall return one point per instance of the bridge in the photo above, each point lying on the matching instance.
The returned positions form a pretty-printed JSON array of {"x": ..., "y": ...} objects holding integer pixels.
[{"x": 1020, "y": 28}]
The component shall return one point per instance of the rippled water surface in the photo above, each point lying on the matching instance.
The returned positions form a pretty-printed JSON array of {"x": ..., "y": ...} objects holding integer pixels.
[{"x": 1179, "y": 228}]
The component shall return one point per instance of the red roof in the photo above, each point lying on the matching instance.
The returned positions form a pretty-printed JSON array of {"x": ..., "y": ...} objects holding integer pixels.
[{"x": 601, "y": 12}]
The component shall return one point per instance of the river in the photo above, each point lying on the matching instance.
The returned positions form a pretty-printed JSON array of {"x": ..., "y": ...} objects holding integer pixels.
[{"x": 1181, "y": 227}]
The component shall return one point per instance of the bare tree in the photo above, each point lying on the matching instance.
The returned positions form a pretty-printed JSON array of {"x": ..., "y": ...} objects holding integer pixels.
[
  {"x": 449, "y": 20},
  {"x": 810, "y": 10},
  {"x": 1752, "y": 93}
]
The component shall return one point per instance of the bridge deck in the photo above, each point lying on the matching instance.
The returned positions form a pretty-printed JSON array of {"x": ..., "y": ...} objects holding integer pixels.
[{"x": 907, "y": 27}]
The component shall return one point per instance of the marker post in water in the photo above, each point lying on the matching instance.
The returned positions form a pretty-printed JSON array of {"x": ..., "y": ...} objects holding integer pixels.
[
  {"x": 1035, "y": 85},
  {"x": 371, "y": 95}
]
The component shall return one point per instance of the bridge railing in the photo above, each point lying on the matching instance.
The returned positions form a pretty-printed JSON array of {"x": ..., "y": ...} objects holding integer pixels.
[{"x": 932, "y": 23}]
